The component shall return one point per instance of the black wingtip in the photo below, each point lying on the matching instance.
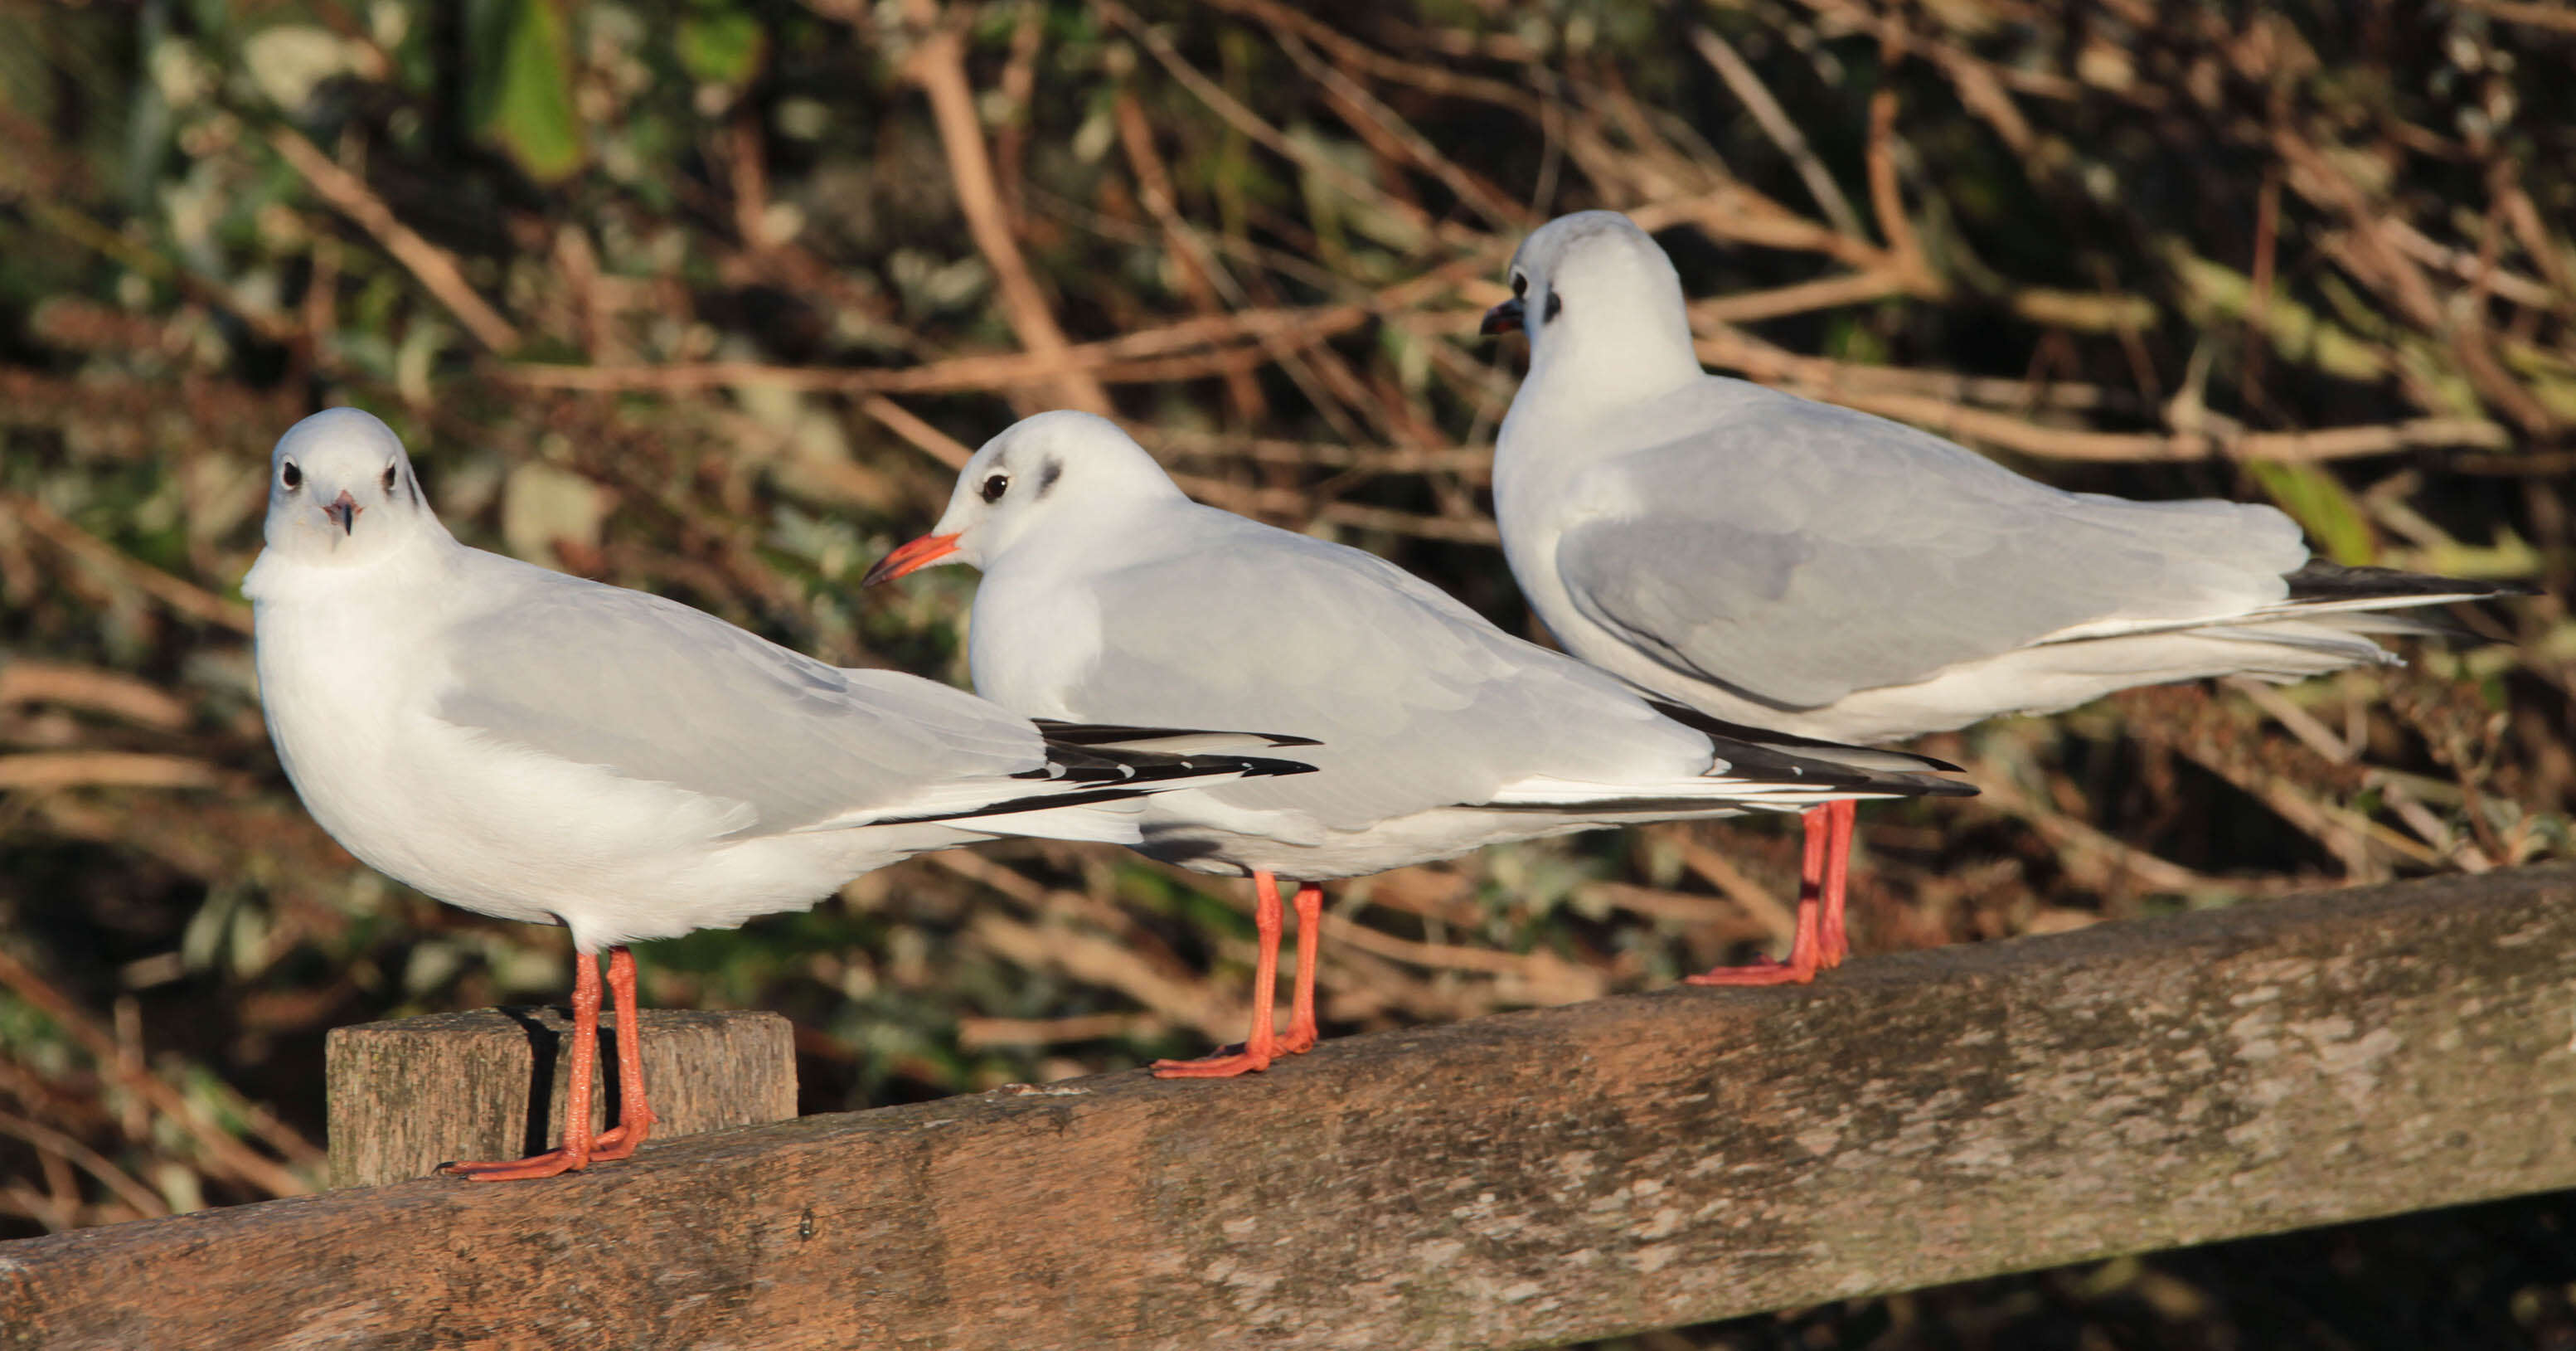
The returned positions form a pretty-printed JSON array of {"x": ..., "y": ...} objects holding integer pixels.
[
  {"x": 1122, "y": 734},
  {"x": 2319, "y": 580},
  {"x": 1806, "y": 748}
]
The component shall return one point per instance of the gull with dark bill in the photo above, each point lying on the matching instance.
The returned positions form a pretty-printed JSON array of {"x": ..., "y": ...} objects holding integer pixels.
[
  {"x": 538, "y": 747},
  {"x": 1107, "y": 595},
  {"x": 1764, "y": 557}
]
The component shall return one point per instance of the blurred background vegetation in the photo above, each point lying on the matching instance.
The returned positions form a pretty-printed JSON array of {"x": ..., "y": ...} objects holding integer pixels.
[{"x": 710, "y": 297}]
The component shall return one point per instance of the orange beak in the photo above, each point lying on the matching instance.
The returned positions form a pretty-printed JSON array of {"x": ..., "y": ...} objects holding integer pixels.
[{"x": 913, "y": 557}]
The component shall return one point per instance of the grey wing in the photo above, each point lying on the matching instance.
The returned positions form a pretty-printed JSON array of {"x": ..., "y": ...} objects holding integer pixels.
[
  {"x": 1798, "y": 551},
  {"x": 654, "y": 690},
  {"x": 1416, "y": 701}
]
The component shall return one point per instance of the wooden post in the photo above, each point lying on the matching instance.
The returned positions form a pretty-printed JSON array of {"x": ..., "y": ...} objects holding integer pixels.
[
  {"x": 411, "y": 1094},
  {"x": 1523, "y": 1180}
]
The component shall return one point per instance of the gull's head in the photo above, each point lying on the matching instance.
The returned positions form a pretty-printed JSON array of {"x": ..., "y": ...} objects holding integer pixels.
[
  {"x": 1594, "y": 279},
  {"x": 341, "y": 490},
  {"x": 1049, "y": 471}
]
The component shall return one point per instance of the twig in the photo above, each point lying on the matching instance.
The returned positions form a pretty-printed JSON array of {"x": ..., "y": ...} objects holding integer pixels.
[
  {"x": 1251, "y": 124},
  {"x": 977, "y": 1034},
  {"x": 938, "y": 65},
  {"x": 88, "y": 687},
  {"x": 1116, "y": 360},
  {"x": 45, "y": 771},
  {"x": 1886, "y": 196},
  {"x": 89, "y": 1160},
  {"x": 1369, "y": 115},
  {"x": 1775, "y": 123},
  {"x": 221, "y": 1148},
  {"x": 1098, "y": 961},
  {"x": 896, "y": 418},
  {"x": 434, "y": 266},
  {"x": 2533, "y": 12},
  {"x": 1200, "y": 271},
  {"x": 183, "y": 596}
]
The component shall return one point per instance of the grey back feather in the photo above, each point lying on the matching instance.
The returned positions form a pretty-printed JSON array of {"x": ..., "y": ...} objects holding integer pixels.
[
  {"x": 1798, "y": 551},
  {"x": 654, "y": 690},
  {"x": 1417, "y": 702}
]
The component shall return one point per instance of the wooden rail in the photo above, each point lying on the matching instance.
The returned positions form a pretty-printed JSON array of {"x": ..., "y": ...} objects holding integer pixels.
[{"x": 1512, "y": 1181}]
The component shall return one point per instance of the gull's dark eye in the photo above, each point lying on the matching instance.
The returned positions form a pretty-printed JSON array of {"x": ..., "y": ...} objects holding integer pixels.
[
  {"x": 291, "y": 476},
  {"x": 995, "y": 486},
  {"x": 1520, "y": 286},
  {"x": 390, "y": 472}
]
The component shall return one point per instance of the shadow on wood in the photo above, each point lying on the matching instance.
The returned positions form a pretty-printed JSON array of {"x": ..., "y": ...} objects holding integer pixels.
[
  {"x": 413, "y": 1093},
  {"x": 1513, "y": 1181}
]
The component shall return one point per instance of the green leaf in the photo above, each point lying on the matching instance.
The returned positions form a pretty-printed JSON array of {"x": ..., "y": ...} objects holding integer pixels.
[
  {"x": 724, "y": 47},
  {"x": 2321, "y": 506},
  {"x": 531, "y": 113}
]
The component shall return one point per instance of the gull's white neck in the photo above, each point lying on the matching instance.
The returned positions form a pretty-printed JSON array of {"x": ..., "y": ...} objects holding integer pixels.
[
  {"x": 1593, "y": 364},
  {"x": 395, "y": 568}
]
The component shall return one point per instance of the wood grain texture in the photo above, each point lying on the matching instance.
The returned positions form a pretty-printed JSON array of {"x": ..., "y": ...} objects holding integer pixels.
[
  {"x": 408, "y": 1095},
  {"x": 1520, "y": 1180}
]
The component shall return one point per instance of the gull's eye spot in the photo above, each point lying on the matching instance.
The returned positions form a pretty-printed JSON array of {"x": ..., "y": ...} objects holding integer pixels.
[
  {"x": 1520, "y": 286},
  {"x": 994, "y": 487},
  {"x": 291, "y": 475},
  {"x": 1555, "y": 306},
  {"x": 391, "y": 473}
]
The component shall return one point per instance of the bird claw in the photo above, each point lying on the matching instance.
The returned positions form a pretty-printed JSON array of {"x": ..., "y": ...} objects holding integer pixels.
[
  {"x": 1760, "y": 971},
  {"x": 1220, "y": 1066},
  {"x": 548, "y": 1164}
]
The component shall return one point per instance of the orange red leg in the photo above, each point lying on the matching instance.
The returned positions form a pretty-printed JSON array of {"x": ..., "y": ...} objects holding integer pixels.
[
  {"x": 575, "y": 1152},
  {"x": 635, "y": 1118},
  {"x": 1302, "y": 1033},
  {"x": 1264, "y": 1044},
  {"x": 1835, "y": 940},
  {"x": 1820, "y": 877}
]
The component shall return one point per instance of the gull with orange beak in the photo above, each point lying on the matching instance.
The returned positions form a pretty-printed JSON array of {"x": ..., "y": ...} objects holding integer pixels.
[
  {"x": 539, "y": 747},
  {"x": 1763, "y": 557},
  {"x": 1107, "y": 595}
]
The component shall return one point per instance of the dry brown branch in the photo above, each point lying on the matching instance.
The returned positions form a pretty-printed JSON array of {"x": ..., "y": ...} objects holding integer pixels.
[
  {"x": 88, "y": 1160},
  {"x": 1734, "y": 350},
  {"x": 2098, "y": 859},
  {"x": 1715, "y": 868},
  {"x": 938, "y": 65},
  {"x": 1776, "y": 124},
  {"x": 1379, "y": 122},
  {"x": 219, "y": 1147},
  {"x": 46, "y": 771},
  {"x": 1351, "y": 51},
  {"x": 1886, "y": 196},
  {"x": 1199, "y": 272},
  {"x": 2537, "y": 13},
  {"x": 896, "y": 418},
  {"x": 1459, "y": 529},
  {"x": 1824, "y": 293},
  {"x": 183, "y": 596},
  {"x": 435, "y": 267},
  {"x": 1527, "y": 978},
  {"x": 977, "y": 1034},
  {"x": 1100, "y": 961},
  {"x": 1124, "y": 359},
  {"x": 1251, "y": 124},
  {"x": 89, "y": 687}
]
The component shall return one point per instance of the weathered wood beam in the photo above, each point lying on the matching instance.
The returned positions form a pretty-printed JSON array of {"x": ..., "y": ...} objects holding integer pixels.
[
  {"x": 403, "y": 1097},
  {"x": 1513, "y": 1181}
]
